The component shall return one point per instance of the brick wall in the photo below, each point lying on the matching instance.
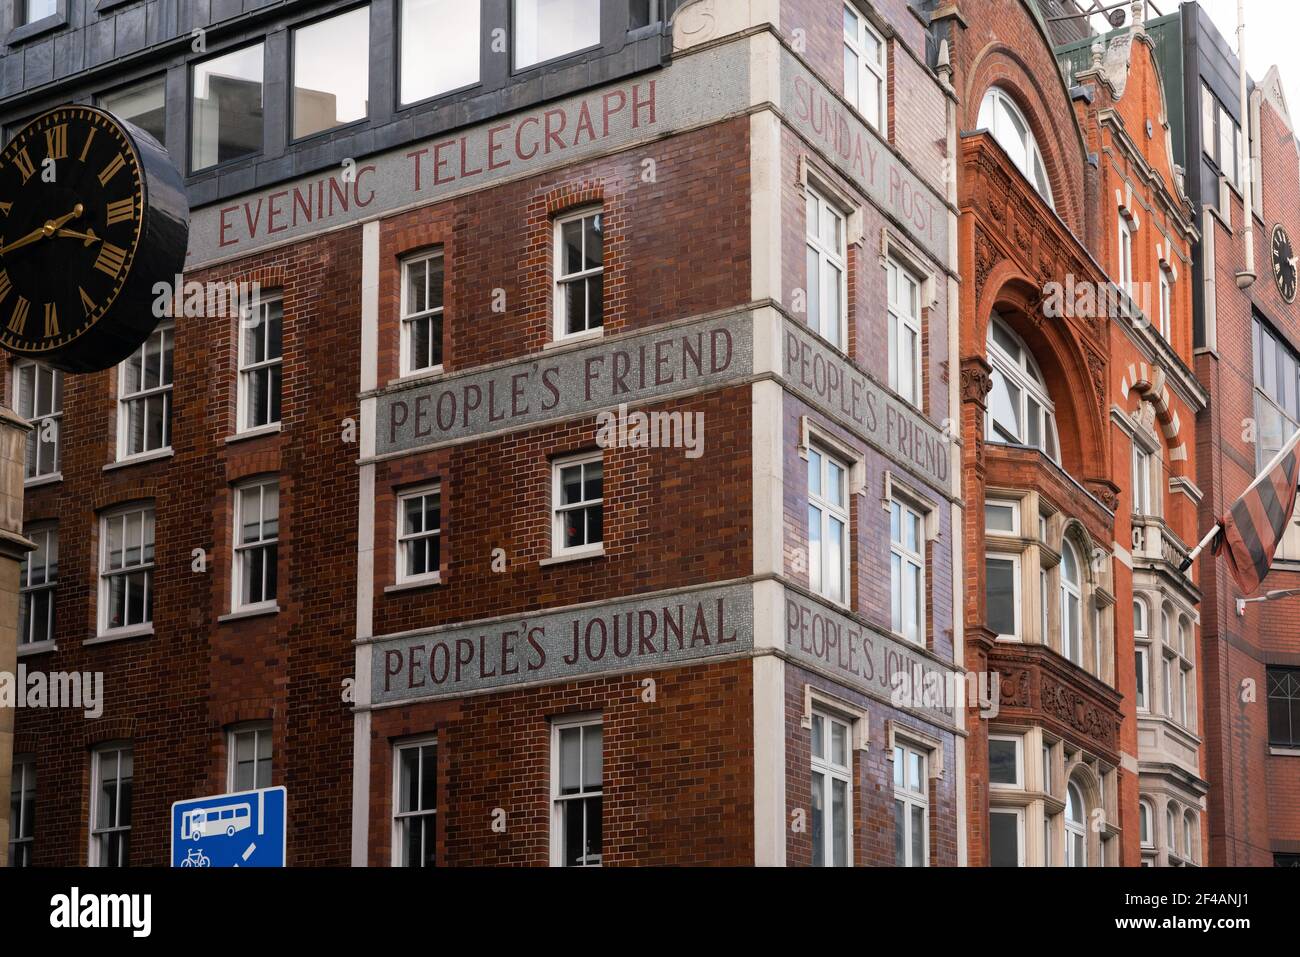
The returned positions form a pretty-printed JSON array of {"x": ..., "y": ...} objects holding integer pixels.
[{"x": 173, "y": 693}]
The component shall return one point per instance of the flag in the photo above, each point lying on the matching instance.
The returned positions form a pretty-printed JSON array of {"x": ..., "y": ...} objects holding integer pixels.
[{"x": 1249, "y": 535}]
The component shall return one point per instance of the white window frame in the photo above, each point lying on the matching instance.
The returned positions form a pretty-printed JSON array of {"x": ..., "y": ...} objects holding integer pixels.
[
  {"x": 1075, "y": 829},
  {"x": 1190, "y": 830},
  {"x": 902, "y": 559},
  {"x": 248, "y": 369},
  {"x": 22, "y": 785},
  {"x": 27, "y": 16},
  {"x": 558, "y": 510},
  {"x": 261, "y": 732},
  {"x": 904, "y": 318},
  {"x": 429, "y": 315},
  {"x": 831, "y": 771},
  {"x": 1019, "y": 814},
  {"x": 1071, "y": 640},
  {"x": 1024, "y": 374},
  {"x": 912, "y": 798},
  {"x": 96, "y": 832},
  {"x": 406, "y": 539},
  {"x": 1008, "y": 503},
  {"x": 1016, "y": 590},
  {"x": 829, "y": 512},
  {"x": 869, "y": 74},
  {"x": 1142, "y": 695},
  {"x": 558, "y": 800},
  {"x": 563, "y": 279},
  {"x": 160, "y": 339},
  {"x": 1141, "y": 479},
  {"x": 400, "y": 817},
  {"x": 990, "y": 119},
  {"x": 1167, "y": 683},
  {"x": 239, "y": 549},
  {"x": 1171, "y": 833},
  {"x": 1125, "y": 254},
  {"x": 1165, "y": 306},
  {"x": 148, "y": 513},
  {"x": 1146, "y": 822},
  {"x": 32, "y": 472},
  {"x": 49, "y": 531},
  {"x": 1019, "y": 783},
  {"x": 828, "y": 258}
]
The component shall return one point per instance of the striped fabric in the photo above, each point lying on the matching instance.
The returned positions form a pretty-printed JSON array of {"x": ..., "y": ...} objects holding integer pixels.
[{"x": 1251, "y": 532}]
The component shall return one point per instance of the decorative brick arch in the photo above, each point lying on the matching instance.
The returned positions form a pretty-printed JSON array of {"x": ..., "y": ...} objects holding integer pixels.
[
  {"x": 1043, "y": 103},
  {"x": 1149, "y": 384},
  {"x": 1076, "y": 390}
]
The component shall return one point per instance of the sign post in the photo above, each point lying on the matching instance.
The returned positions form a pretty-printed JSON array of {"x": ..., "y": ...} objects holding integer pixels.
[{"x": 247, "y": 829}]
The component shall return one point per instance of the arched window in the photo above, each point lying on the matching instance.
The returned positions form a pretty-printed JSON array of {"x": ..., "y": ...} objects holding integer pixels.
[
  {"x": 1020, "y": 411},
  {"x": 1170, "y": 834},
  {"x": 1189, "y": 836},
  {"x": 1144, "y": 823},
  {"x": 1001, "y": 117},
  {"x": 1076, "y": 833},
  {"x": 1141, "y": 653},
  {"x": 1071, "y": 602}
]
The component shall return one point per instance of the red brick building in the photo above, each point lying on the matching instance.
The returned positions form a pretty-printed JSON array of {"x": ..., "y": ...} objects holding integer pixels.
[
  {"x": 1063, "y": 378},
  {"x": 579, "y": 485}
]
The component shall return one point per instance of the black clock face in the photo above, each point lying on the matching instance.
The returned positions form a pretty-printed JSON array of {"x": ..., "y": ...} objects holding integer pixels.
[
  {"x": 1284, "y": 264},
  {"x": 72, "y": 198}
]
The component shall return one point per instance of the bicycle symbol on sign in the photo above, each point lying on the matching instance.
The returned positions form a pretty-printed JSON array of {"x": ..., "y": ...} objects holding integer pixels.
[{"x": 196, "y": 858}]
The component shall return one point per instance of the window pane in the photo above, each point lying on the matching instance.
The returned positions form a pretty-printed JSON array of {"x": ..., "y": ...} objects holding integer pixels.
[
  {"x": 1002, "y": 761},
  {"x": 999, "y": 518},
  {"x": 143, "y": 104},
  {"x": 1000, "y": 591},
  {"x": 840, "y": 821},
  {"x": 592, "y": 768},
  {"x": 226, "y": 110},
  {"x": 818, "y": 819},
  {"x": 900, "y": 833},
  {"x": 918, "y": 835},
  {"x": 570, "y": 759},
  {"x": 1004, "y": 839},
  {"x": 546, "y": 29},
  {"x": 39, "y": 9},
  {"x": 440, "y": 47},
  {"x": 331, "y": 72}
]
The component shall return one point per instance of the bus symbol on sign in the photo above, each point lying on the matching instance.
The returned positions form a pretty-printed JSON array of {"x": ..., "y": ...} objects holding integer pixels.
[
  {"x": 231, "y": 830},
  {"x": 228, "y": 820}
]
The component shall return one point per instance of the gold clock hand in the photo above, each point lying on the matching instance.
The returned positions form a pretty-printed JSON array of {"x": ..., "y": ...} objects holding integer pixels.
[
  {"x": 87, "y": 237},
  {"x": 27, "y": 240},
  {"x": 49, "y": 229},
  {"x": 55, "y": 224}
]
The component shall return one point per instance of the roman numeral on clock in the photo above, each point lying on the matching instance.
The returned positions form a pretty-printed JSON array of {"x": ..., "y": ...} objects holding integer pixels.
[
  {"x": 90, "y": 137},
  {"x": 111, "y": 169},
  {"x": 5, "y": 285},
  {"x": 110, "y": 259},
  {"x": 19, "y": 318},
  {"x": 56, "y": 142},
  {"x": 87, "y": 303},
  {"x": 123, "y": 210},
  {"x": 51, "y": 319},
  {"x": 5, "y": 207},
  {"x": 24, "y": 164}
]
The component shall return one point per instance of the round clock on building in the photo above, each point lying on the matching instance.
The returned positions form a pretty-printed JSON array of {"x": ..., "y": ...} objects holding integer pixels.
[
  {"x": 1284, "y": 263},
  {"x": 92, "y": 216}
]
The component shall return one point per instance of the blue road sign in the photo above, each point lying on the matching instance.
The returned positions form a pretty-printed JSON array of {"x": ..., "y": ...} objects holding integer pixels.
[{"x": 247, "y": 829}]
